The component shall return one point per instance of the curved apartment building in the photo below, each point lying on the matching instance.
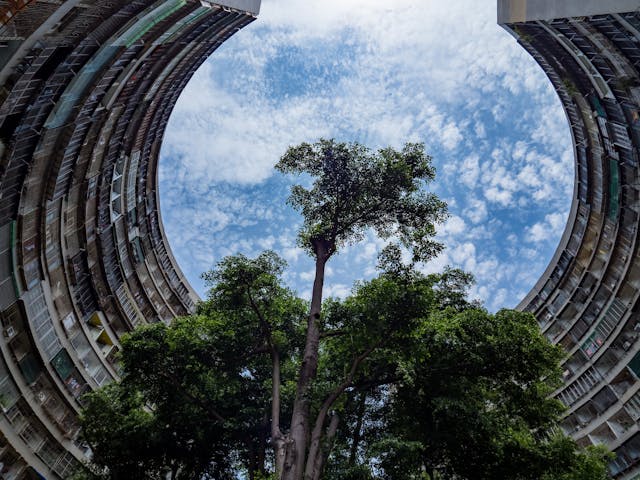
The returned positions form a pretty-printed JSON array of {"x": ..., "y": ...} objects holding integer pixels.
[
  {"x": 587, "y": 300},
  {"x": 86, "y": 90}
]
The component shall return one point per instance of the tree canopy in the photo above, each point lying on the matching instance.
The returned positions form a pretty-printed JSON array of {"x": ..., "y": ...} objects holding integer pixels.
[
  {"x": 403, "y": 379},
  {"x": 355, "y": 190}
]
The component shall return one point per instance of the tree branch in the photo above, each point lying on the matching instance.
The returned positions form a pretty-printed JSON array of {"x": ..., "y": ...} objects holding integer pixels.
[
  {"x": 334, "y": 333},
  {"x": 316, "y": 435},
  {"x": 266, "y": 328},
  {"x": 323, "y": 454},
  {"x": 176, "y": 383},
  {"x": 276, "y": 434},
  {"x": 275, "y": 395}
]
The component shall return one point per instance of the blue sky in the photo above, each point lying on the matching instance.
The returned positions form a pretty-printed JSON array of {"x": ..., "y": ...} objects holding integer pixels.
[{"x": 381, "y": 73}]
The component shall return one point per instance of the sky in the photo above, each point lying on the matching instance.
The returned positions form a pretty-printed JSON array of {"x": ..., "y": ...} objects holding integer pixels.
[{"x": 381, "y": 73}]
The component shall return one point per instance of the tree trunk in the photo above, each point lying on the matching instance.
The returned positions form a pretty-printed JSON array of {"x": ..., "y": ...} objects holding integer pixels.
[
  {"x": 277, "y": 439},
  {"x": 431, "y": 471},
  {"x": 174, "y": 470},
  {"x": 252, "y": 459},
  {"x": 357, "y": 431},
  {"x": 279, "y": 450},
  {"x": 315, "y": 446},
  {"x": 323, "y": 453},
  {"x": 297, "y": 439}
]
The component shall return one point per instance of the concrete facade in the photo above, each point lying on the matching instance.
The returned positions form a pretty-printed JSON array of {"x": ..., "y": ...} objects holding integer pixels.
[
  {"x": 86, "y": 90},
  {"x": 510, "y": 11},
  {"x": 251, "y": 6}
]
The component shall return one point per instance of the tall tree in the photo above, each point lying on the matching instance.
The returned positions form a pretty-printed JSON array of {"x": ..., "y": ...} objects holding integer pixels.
[
  {"x": 477, "y": 403},
  {"x": 404, "y": 379},
  {"x": 200, "y": 386},
  {"x": 411, "y": 382},
  {"x": 165, "y": 418},
  {"x": 353, "y": 191}
]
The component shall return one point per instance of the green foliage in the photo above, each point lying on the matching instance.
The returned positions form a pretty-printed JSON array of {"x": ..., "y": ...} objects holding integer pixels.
[
  {"x": 117, "y": 415},
  {"x": 470, "y": 397},
  {"x": 349, "y": 472},
  {"x": 445, "y": 389},
  {"x": 355, "y": 190},
  {"x": 565, "y": 463},
  {"x": 249, "y": 295},
  {"x": 162, "y": 417},
  {"x": 196, "y": 390},
  {"x": 405, "y": 379},
  {"x": 478, "y": 402},
  {"x": 86, "y": 472}
]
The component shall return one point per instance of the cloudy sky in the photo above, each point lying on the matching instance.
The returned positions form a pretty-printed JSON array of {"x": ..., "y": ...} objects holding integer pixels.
[{"x": 381, "y": 73}]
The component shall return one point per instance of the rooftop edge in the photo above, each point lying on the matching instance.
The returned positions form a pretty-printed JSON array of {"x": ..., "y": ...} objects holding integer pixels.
[
  {"x": 514, "y": 11},
  {"x": 251, "y": 6}
]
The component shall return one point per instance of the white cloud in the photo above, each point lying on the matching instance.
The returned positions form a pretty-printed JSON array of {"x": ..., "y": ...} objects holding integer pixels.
[
  {"x": 307, "y": 276},
  {"x": 380, "y": 73},
  {"x": 547, "y": 230},
  {"x": 367, "y": 252},
  {"x": 338, "y": 290},
  {"x": 498, "y": 195},
  {"x": 292, "y": 254},
  {"x": 469, "y": 171},
  {"x": 476, "y": 211},
  {"x": 408, "y": 57},
  {"x": 453, "y": 226}
]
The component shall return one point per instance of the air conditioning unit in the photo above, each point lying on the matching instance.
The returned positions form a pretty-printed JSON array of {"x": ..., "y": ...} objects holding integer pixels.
[{"x": 9, "y": 332}]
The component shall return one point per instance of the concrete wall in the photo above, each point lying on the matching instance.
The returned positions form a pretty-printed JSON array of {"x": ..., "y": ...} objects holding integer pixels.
[
  {"x": 251, "y": 6},
  {"x": 510, "y": 11}
]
